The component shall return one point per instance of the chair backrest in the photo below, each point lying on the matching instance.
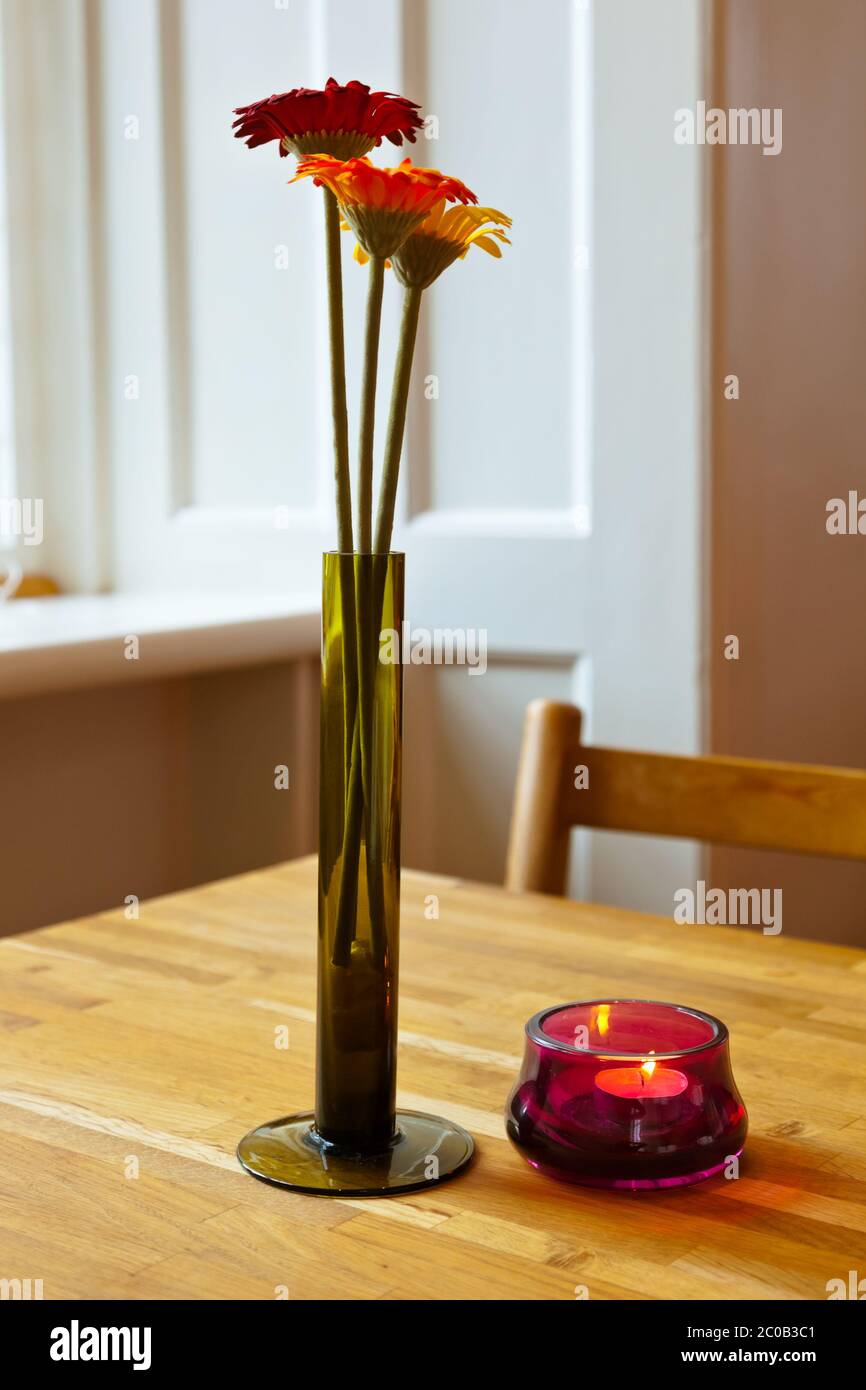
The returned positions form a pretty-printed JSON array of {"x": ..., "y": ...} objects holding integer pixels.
[{"x": 728, "y": 801}]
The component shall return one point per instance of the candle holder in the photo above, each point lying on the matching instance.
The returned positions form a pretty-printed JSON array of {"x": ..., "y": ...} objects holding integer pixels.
[{"x": 626, "y": 1093}]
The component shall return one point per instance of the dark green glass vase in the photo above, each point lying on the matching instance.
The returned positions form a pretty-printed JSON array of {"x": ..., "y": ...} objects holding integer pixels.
[
  {"x": 357, "y": 1142},
  {"x": 359, "y": 853}
]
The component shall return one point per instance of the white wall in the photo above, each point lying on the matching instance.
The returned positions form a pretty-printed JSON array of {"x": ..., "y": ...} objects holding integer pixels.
[{"x": 148, "y": 788}]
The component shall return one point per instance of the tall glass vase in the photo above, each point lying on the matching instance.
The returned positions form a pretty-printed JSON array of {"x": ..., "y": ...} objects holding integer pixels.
[
  {"x": 356, "y": 1141},
  {"x": 359, "y": 851}
]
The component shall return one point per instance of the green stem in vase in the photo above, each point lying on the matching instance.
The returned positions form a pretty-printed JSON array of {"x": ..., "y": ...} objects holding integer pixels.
[
  {"x": 338, "y": 374},
  {"x": 368, "y": 404},
  {"x": 397, "y": 419},
  {"x": 343, "y": 486},
  {"x": 367, "y": 641},
  {"x": 344, "y": 932},
  {"x": 384, "y": 527},
  {"x": 358, "y": 784},
  {"x": 354, "y": 819}
]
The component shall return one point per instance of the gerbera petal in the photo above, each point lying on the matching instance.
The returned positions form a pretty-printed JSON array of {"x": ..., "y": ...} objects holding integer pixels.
[
  {"x": 486, "y": 244},
  {"x": 445, "y": 235},
  {"x": 354, "y": 116}
]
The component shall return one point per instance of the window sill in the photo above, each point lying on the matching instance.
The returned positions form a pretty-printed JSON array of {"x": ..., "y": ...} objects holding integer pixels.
[{"x": 66, "y": 643}]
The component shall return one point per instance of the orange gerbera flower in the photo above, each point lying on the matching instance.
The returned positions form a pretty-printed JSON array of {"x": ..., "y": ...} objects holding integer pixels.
[
  {"x": 383, "y": 206},
  {"x": 342, "y": 121}
]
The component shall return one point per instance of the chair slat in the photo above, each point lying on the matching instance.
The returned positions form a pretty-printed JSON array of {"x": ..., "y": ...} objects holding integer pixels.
[{"x": 725, "y": 801}]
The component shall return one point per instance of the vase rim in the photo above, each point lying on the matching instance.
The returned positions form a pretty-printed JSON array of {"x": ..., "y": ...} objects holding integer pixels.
[
  {"x": 373, "y": 554},
  {"x": 535, "y": 1031}
]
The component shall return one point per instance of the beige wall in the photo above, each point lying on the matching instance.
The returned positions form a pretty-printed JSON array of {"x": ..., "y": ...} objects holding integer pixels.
[
  {"x": 789, "y": 312},
  {"x": 147, "y": 789}
]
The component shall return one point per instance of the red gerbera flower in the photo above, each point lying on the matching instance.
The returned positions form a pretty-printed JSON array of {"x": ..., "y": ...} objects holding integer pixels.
[{"x": 341, "y": 121}]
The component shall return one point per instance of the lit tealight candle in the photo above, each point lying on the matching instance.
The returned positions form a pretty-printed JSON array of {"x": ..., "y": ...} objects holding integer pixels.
[{"x": 647, "y": 1082}]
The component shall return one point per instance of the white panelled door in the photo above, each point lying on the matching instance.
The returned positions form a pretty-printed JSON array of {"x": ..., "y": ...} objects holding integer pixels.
[
  {"x": 553, "y": 490},
  {"x": 552, "y": 453}
]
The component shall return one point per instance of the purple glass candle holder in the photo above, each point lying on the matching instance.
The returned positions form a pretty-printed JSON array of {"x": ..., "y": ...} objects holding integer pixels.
[{"x": 626, "y": 1093}]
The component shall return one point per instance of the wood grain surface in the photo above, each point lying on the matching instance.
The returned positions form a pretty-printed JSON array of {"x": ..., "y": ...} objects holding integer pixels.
[{"x": 136, "y": 1053}]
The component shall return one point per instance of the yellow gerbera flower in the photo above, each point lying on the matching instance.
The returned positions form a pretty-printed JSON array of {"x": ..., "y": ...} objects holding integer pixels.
[{"x": 444, "y": 236}]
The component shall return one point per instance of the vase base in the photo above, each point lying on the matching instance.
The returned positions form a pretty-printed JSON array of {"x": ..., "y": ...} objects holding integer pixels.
[
  {"x": 426, "y": 1150},
  {"x": 579, "y": 1179}
]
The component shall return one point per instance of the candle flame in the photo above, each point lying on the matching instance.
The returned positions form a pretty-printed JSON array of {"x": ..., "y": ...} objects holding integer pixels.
[
  {"x": 648, "y": 1067},
  {"x": 602, "y": 1019}
]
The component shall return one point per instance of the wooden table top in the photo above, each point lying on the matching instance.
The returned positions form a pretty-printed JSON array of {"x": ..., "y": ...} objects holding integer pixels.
[{"x": 136, "y": 1053}]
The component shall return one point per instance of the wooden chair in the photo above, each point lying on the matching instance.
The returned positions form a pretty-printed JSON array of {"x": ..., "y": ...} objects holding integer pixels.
[{"x": 726, "y": 801}]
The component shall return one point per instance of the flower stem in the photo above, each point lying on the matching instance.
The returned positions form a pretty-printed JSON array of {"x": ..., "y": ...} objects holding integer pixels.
[
  {"x": 338, "y": 374},
  {"x": 397, "y": 419},
  {"x": 373, "y": 603},
  {"x": 344, "y": 932},
  {"x": 355, "y": 799},
  {"x": 368, "y": 404},
  {"x": 367, "y": 641},
  {"x": 345, "y": 542}
]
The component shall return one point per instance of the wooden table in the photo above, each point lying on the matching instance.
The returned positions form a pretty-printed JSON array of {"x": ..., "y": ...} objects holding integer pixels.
[{"x": 136, "y": 1053}]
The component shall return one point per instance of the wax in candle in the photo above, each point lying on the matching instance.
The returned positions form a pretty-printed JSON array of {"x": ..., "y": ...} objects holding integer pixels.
[{"x": 642, "y": 1083}]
